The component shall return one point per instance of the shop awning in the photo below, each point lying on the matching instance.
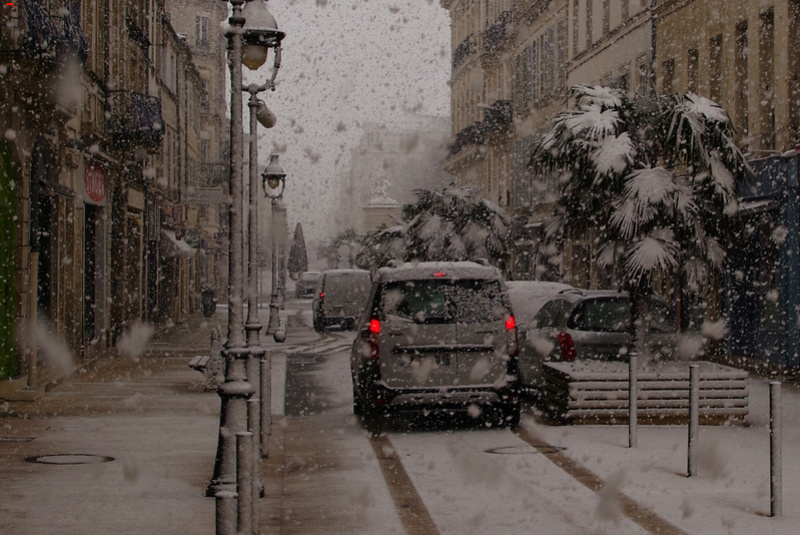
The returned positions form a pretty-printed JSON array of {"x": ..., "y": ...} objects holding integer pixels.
[{"x": 172, "y": 247}]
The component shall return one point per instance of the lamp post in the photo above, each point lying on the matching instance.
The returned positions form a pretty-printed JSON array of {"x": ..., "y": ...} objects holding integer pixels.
[
  {"x": 274, "y": 183},
  {"x": 274, "y": 179},
  {"x": 254, "y": 26}
]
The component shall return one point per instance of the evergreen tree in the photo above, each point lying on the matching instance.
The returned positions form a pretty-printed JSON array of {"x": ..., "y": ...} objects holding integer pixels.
[{"x": 298, "y": 259}]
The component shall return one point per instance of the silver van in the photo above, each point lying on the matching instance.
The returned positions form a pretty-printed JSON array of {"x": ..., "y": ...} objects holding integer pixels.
[
  {"x": 339, "y": 298},
  {"x": 436, "y": 336}
]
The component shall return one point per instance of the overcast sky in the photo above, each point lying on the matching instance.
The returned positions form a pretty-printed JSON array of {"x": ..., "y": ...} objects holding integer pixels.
[{"x": 346, "y": 62}]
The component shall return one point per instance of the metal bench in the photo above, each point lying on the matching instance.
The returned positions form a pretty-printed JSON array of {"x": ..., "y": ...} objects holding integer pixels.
[{"x": 597, "y": 392}]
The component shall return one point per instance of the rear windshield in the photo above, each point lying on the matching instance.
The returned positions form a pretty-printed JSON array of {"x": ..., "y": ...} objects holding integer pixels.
[
  {"x": 347, "y": 286},
  {"x": 614, "y": 315},
  {"x": 445, "y": 300}
]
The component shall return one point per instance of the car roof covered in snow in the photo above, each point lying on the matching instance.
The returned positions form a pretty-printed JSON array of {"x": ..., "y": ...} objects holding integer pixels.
[
  {"x": 344, "y": 271},
  {"x": 429, "y": 270}
]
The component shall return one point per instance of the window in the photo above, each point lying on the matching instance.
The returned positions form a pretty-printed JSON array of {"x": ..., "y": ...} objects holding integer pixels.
[
  {"x": 201, "y": 32},
  {"x": 693, "y": 70},
  {"x": 626, "y": 10},
  {"x": 766, "y": 62},
  {"x": 741, "y": 73},
  {"x": 715, "y": 69},
  {"x": 606, "y": 16},
  {"x": 668, "y": 78},
  {"x": 589, "y": 23}
]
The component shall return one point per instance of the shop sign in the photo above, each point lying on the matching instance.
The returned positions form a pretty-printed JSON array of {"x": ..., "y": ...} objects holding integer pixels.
[{"x": 94, "y": 180}]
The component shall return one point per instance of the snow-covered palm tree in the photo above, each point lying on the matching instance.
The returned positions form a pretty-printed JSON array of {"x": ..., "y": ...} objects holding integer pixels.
[
  {"x": 448, "y": 225},
  {"x": 653, "y": 177}
]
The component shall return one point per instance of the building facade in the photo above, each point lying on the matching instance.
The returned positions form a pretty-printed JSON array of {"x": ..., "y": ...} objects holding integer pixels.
[
  {"x": 394, "y": 162},
  {"x": 96, "y": 152}
]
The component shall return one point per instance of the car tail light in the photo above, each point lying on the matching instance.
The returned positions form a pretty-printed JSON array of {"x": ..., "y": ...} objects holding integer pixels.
[
  {"x": 321, "y": 297},
  {"x": 372, "y": 339},
  {"x": 567, "y": 347},
  {"x": 511, "y": 332}
]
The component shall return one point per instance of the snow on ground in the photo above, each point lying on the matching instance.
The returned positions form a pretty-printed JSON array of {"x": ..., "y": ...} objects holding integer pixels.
[
  {"x": 490, "y": 481},
  {"x": 729, "y": 496}
]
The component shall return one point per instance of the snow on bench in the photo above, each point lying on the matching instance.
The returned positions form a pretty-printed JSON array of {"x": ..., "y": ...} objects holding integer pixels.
[{"x": 597, "y": 392}]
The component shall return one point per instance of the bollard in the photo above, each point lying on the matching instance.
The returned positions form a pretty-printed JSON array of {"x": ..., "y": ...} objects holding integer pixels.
[
  {"x": 226, "y": 512},
  {"x": 266, "y": 404},
  {"x": 775, "y": 457},
  {"x": 694, "y": 417},
  {"x": 244, "y": 481},
  {"x": 253, "y": 416},
  {"x": 633, "y": 395}
]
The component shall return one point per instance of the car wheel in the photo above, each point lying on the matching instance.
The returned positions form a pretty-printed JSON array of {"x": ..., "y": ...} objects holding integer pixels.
[
  {"x": 374, "y": 417},
  {"x": 357, "y": 408},
  {"x": 317, "y": 325},
  {"x": 511, "y": 414}
]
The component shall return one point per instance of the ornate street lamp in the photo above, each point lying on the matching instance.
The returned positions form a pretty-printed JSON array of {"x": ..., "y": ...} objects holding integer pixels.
[
  {"x": 274, "y": 181},
  {"x": 256, "y": 28}
]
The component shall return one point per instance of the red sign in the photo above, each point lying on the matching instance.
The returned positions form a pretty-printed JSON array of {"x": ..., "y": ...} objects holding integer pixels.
[{"x": 94, "y": 179}]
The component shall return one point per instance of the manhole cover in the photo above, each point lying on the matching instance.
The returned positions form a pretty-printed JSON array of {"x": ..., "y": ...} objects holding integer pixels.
[
  {"x": 16, "y": 439},
  {"x": 522, "y": 450},
  {"x": 70, "y": 458}
]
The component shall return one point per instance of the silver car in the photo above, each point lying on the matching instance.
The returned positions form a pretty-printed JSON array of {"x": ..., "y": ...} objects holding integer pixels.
[
  {"x": 436, "y": 336},
  {"x": 595, "y": 324}
]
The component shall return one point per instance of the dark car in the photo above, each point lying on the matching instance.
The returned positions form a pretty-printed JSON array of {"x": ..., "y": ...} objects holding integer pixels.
[
  {"x": 306, "y": 283},
  {"x": 339, "y": 298}
]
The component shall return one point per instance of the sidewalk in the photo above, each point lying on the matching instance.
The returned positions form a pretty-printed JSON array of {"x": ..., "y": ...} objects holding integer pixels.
[
  {"x": 149, "y": 419},
  {"x": 132, "y": 442}
]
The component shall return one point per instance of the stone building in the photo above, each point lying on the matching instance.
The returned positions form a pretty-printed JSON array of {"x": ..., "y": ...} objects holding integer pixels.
[
  {"x": 407, "y": 158},
  {"x": 513, "y": 61},
  {"x": 88, "y": 168}
]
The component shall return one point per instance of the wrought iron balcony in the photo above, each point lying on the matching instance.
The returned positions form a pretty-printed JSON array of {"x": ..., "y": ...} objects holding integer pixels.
[
  {"x": 36, "y": 33},
  {"x": 471, "y": 135},
  {"x": 463, "y": 51},
  {"x": 496, "y": 34},
  {"x": 497, "y": 117},
  {"x": 214, "y": 174},
  {"x": 135, "y": 119}
]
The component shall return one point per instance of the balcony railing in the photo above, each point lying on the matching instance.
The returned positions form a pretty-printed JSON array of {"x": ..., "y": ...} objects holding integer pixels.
[
  {"x": 496, "y": 34},
  {"x": 214, "y": 174},
  {"x": 135, "y": 119},
  {"x": 463, "y": 51},
  {"x": 471, "y": 135},
  {"x": 36, "y": 33},
  {"x": 497, "y": 118}
]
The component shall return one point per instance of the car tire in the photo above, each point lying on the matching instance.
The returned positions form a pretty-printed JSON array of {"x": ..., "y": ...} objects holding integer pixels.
[
  {"x": 374, "y": 417},
  {"x": 511, "y": 414},
  {"x": 358, "y": 409}
]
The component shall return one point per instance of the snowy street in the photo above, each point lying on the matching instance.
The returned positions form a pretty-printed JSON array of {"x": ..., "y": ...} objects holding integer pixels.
[{"x": 472, "y": 479}]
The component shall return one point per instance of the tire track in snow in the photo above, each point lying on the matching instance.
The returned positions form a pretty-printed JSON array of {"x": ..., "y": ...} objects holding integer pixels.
[
  {"x": 410, "y": 507},
  {"x": 630, "y": 508}
]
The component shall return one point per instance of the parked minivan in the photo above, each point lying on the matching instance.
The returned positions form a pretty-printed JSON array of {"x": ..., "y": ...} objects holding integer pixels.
[
  {"x": 339, "y": 298},
  {"x": 436, "y": 336}
]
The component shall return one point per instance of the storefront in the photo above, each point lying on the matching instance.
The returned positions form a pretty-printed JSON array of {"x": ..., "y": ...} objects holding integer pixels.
[{"x": 763, "y": 291}]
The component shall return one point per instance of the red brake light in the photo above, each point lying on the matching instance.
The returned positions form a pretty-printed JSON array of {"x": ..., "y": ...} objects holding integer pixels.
[
  {"x": 374, "y": 326},
  {"x": 439, "y": 274},
  {"x": 511, "y": 331},
  {"x": 567, "y": 347},
  {"x": 321, "y": 295}
]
